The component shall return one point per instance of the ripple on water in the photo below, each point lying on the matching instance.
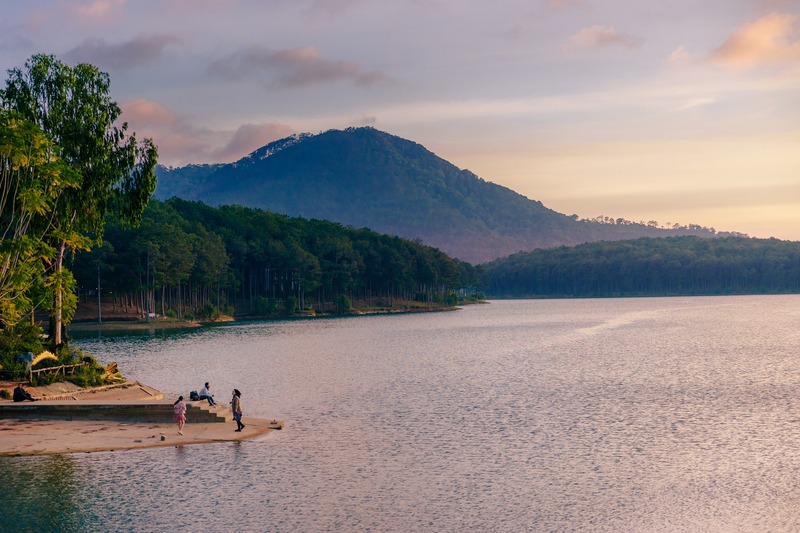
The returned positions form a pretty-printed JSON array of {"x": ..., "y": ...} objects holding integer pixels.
[{"x": 674, "y": 414}]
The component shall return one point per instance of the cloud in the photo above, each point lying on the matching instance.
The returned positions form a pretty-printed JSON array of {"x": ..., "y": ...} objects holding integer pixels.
[
  {"x": 130, "y": 54},
  {"x": 249, "y": 137},
  {"x": 180, "y": 142},
  {"x": 765, "y": 40},
  {"x": 600, "y": 37},
  {"x": 98, "y": 9},
  {"x": 293, "y": 68}
]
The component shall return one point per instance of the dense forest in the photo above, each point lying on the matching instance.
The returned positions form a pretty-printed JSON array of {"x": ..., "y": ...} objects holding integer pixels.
[
  {"x": 190, "y": 260},
  {"x": 650, "y": 266}
]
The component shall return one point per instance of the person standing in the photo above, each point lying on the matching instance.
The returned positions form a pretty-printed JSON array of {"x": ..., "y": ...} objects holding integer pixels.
[
  {"x": 179, "y": 408},
  {"x": 205, "y": 394},
  {"x": 236, "y": 407}
]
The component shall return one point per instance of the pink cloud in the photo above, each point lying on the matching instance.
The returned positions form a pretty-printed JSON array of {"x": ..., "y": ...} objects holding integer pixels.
[
  {"x": 147, "y": 112},
  {"x": 766, "y": 40},
  {"x": 249, "y": 137},
  {"x": 601, "y": 36},
  {"x": 180, "y": 142},
  {"x": 98, "y": 9}
]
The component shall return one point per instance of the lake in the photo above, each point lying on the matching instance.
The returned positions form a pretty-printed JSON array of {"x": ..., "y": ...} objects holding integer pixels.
[{"x": 650, "y": 414}]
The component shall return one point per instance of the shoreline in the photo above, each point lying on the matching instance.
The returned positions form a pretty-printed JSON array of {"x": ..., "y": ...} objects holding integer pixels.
[
  {"x": 119, "y": 324},
  {"x": 69, "y": 419},
  {"x": 23, "y": 437}
]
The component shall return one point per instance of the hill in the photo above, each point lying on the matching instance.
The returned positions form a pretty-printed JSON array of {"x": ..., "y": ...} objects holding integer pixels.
[
  {"x": 650, "y": 267},
  {"x": 367, "y": 178}
]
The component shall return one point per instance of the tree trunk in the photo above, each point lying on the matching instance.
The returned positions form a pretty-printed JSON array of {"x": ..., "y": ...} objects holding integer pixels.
[{"x": 57, "y": 307}]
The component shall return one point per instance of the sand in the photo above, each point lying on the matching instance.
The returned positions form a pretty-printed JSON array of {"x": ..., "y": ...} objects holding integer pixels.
[{"x": 43, "y": 436}]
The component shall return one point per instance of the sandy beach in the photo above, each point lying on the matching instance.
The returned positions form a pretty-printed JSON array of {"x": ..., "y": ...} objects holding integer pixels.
[
  {"x": 44, "y": 437},
  {"x": 28, "y": 434}
]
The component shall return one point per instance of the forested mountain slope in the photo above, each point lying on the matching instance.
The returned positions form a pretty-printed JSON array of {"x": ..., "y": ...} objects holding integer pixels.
[{"x": 367, "y": 178}]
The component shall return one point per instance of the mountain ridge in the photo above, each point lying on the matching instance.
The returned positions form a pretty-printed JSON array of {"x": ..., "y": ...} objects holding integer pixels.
[{"x": 368, "y": 178}]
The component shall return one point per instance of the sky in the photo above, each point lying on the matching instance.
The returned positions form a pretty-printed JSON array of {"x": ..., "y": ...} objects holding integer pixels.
[{"x": 674, "y": 111}]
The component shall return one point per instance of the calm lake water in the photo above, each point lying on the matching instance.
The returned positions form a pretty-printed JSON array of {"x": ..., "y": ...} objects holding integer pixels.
[{"x": 652, "y": 414}]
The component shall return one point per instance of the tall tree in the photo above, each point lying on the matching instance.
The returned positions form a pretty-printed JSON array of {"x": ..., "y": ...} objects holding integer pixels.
[
  {"x": 115, "y": 173},
  {"x": 32, "y": 179}
]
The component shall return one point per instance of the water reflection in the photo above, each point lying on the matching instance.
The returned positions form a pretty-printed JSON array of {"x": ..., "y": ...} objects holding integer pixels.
[
  {"x": 645, "y": 414},
  {"x": 41, "y": 494}
]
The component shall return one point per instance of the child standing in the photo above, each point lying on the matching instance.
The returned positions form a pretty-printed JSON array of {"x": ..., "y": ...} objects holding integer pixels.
[{"x": 179, "y": 408}]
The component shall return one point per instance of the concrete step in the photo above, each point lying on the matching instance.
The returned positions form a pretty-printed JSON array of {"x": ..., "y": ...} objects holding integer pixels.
[
  {"x": 217, "y": 413},
  {"x": 143, "y": 411}
]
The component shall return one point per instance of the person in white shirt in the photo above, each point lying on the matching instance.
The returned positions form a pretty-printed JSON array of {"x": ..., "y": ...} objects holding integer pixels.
[{"x": 205, "y": 394}]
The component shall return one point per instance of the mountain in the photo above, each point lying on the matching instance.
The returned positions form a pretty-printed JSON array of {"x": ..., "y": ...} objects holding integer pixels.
[{"x": 367, "y": 178}]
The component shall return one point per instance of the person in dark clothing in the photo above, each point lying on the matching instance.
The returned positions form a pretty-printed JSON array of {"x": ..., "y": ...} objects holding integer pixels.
[
  {"x": 20, "y": 394},
  {"x": 236, "y": 407}
]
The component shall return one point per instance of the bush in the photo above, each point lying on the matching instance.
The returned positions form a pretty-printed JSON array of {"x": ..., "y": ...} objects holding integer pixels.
[
  {"x": 264, "y": 306},
  {"x": 290, "y": 305},
  {"x": 210, "y": 312},
  {"x": 4, "y": 394},
  {"x": 343, "y": 304},
  {"x": 23, "y": 337},
  {"x": 171, "y": 313},
  {"x": 87, "y": 377}
]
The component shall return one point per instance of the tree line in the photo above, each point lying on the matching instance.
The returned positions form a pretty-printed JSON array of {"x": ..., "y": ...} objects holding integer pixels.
[
  {"x": 190, "y": 260},
  {"x": 684, "y": 265}
]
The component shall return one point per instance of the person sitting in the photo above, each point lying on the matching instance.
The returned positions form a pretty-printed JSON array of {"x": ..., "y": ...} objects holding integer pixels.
[
  {"x": 205, "y": 394},
  {"x": 20, "y": 394}
]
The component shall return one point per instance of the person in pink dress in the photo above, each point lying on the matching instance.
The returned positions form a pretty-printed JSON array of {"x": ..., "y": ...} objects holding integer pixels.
[{"x": 179, "y": 408}]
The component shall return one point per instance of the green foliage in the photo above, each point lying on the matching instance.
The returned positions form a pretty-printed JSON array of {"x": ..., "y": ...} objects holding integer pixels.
[
  {"x": 264, "y": 306},
  {"x": 87, "y": 376},
  {"x": 254, "y": 259},
  {"x": 16, "y": 340},
  {"x": 290, "y": 305},
  {"x": 32, "y": 178},
  {"x": 5, "y": 394},
  {"x": 209, "y": 312},
  {"x": 669, "y": 266},
  {"x": 343, "y": 304},
  {"x": 113, "y": 173}
]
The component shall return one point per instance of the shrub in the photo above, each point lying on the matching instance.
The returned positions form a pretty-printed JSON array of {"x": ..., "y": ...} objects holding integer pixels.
[
  {"x": 290, "y": 305},
  {"x": 87, "y": 377},
  {"x": 5, "y": 394},
  {"x": 210, "y": 312},
  {"x": 343, "y": 304},
  {"x": 23, "y": 337}
]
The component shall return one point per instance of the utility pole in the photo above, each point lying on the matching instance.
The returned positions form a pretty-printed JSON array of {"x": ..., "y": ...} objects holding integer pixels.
[{"x": 99, "y": 312}]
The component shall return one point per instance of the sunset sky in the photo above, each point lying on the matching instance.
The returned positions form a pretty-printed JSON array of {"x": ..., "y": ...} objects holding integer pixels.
[{"x": 680, "y": 111}]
